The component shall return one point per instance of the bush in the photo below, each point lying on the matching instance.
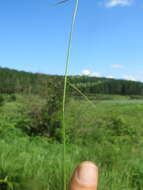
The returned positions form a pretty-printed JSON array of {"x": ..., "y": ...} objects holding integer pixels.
[
  {"x": 47, "y": 121},
  {"x": 12, "y": 98},
  {"x": 137, "y": 176},
  {"x": 44, "y": 118},
  {"x": 1, "y": 100}
]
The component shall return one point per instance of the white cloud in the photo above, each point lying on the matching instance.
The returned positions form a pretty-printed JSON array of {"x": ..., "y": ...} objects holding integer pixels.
[
  {"x": 96, "y": 74},
  {"x": 130, "y": 77},
  {"x": 116, "y": 66},
  {"x": 90, "y": 73},
  {"x": 86, "y": 72},
  {"x": 114, "y": 3},
  {"x": 110, "y": 77}
]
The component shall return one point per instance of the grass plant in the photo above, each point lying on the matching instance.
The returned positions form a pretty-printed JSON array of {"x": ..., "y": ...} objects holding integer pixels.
[{"x": 109, "y": 134}]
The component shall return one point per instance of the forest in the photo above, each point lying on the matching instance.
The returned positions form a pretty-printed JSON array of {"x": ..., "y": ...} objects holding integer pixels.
[{"x": 13, "y": 81}]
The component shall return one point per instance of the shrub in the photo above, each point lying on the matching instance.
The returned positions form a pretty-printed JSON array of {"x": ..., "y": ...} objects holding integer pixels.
[
  {"x": 1, "y": 100},
  {"x": 45, "y": 119},
  {"x": 137, "y": 176},
  {"x": 12, "y": 98}
]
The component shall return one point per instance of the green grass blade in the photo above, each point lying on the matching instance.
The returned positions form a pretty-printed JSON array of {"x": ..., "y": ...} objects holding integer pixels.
[{"x": 64, "y": 91}]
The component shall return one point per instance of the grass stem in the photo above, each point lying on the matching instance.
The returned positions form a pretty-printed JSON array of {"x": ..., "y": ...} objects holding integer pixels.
[{"x": 64, "y": 91}]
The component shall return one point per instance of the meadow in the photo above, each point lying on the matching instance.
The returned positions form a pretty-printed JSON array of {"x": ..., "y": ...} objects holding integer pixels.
[{"x": 106, "y": 132}]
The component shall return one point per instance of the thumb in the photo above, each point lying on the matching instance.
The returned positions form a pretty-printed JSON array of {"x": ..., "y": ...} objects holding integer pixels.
[{"x": 85, "y": 177}]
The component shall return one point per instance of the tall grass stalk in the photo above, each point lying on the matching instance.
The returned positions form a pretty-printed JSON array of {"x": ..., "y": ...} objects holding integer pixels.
[
  {"x": 81, "y": 93},
  {"x": 64, "y": 91}
]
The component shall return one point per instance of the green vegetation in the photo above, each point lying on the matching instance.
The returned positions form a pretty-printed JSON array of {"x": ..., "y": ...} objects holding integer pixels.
[
  {"x": 109, "y": 132},
  {"x": 12, "y": 81}
]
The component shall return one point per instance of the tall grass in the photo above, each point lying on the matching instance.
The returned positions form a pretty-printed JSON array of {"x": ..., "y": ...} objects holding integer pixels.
[
  {"x": 111, "y": 139},
  {"x": 36, "y": 164},
  {"x": 64, "y": 91}
]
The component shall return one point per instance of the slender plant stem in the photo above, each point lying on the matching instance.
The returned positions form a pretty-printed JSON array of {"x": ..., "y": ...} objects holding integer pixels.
[
  {"x": 81, "y": 93},
  {"x": 64, "y": 92}
]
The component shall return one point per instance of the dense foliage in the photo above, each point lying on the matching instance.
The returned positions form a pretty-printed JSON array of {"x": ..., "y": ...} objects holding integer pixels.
[
  {"x": 12, "y": 81},
  {"x": 93, "y": 85},
  {"x": 108, "y": 133}
]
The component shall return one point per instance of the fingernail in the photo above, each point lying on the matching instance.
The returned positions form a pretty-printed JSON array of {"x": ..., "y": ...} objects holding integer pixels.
[{"x": 87, "y": 174}]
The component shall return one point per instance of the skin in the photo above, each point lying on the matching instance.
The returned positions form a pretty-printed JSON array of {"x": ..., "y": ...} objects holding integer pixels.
[{"x": 85, "y": 177}]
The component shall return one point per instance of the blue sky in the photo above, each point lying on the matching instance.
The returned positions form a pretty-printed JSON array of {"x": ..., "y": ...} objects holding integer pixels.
[{"x": 108, "y": 37}]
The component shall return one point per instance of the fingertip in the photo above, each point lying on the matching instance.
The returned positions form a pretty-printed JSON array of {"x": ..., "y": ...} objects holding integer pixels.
[
  {"x": 85, "y": 177},
  {"x": 88, "y": 163}
]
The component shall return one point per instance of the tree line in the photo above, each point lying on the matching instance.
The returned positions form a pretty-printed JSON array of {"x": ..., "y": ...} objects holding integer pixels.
[{"x": 13, "y": 81}]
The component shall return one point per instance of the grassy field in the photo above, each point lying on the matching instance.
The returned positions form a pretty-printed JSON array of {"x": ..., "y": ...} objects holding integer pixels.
[{"x": 108, "y": 132}]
